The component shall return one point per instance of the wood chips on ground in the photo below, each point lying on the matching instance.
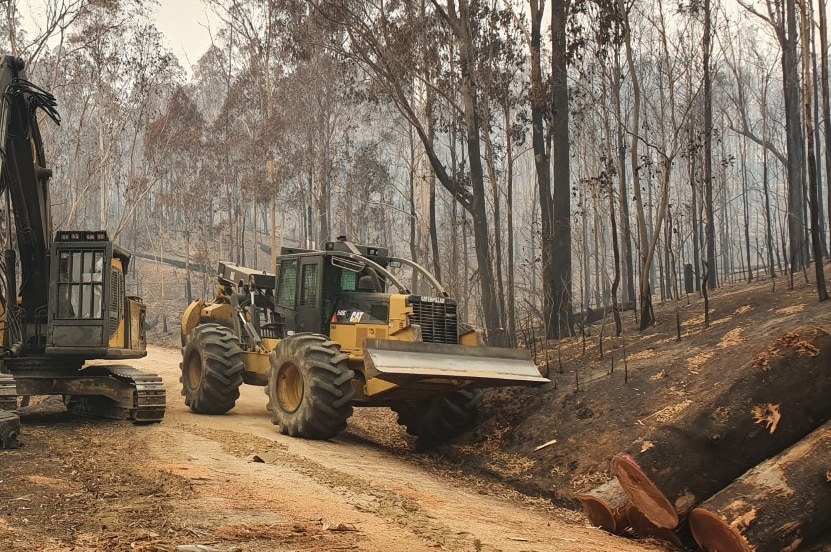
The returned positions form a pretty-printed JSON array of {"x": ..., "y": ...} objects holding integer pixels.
[{"x": 695, "y": 363}]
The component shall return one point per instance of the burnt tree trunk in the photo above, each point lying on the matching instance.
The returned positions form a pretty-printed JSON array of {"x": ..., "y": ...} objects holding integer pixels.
[
  {"x": 605, "y": 506},
  {"x": 777, "y": 398},
  {"x": 778, "y": 505}
]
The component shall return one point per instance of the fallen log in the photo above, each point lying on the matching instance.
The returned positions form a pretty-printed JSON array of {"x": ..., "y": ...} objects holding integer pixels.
[
  {"x": 780, "y": 504},
  {"x": 605, "y": 506},
  {"x": 772, "y": 402}
]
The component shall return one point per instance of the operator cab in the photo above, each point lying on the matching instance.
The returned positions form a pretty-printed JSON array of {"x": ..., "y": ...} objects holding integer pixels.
[
  {"x": 89, "y": 314},
  {"x": 335, "y": 286}
]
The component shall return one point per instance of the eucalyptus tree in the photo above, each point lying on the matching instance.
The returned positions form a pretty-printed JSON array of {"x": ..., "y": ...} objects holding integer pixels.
[
  {"x": 388, "y": 43},
  {"x": 806, "y": 20},
  {"x": 115, "y": 78},
  {"x": 709, "y": 224},
  {"x": 826, "y": 99},
  {"x": 752, "y": 97},
  {"x": 263, "y": 35},
  {"x": 173, "y": 145},
  {"x": 549, "y": 104},
  {"x": 33, "y": 38},
  {"x": 657, "y": 95},
  {"x": 780, "y": 15},
  {"x": 365, "y": 196},
  {"x": 503, "y": 89},
  {"x": 313, "y": 129},
  {"x": 235, "y": 165},
  {"x": 209, "y": 85}
]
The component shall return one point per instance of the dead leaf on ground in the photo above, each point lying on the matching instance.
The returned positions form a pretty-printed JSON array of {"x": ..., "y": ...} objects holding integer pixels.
[
  {"x": 668, "y": 413},
  {"x": 793, "y": 546},
  {"x": 647, "y": 445},
  {"x": 767, "y": 414}
]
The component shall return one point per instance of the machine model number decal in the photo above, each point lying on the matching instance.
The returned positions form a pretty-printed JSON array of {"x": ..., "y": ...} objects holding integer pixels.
[{"x": 351, "y": 317}]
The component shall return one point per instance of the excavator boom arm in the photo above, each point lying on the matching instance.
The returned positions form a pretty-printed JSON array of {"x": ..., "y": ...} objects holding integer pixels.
[{"x": 25, "y": 178}]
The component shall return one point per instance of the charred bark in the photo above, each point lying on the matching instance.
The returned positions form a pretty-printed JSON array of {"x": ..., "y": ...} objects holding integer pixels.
[
  {"x": 765, "y": 410},
  {"x": 778, "y": 505},
  {"x": 605, "y": 506}
]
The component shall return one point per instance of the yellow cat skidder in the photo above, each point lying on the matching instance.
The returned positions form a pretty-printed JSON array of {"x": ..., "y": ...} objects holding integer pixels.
[{"x": 325, "y": 335}]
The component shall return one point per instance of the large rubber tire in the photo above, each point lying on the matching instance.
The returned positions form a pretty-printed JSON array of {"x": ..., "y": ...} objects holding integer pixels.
[
  {"x": 436, "y": 420},
  {"x": 309, "y": 387},
  {"x": 212, "y": 366}
]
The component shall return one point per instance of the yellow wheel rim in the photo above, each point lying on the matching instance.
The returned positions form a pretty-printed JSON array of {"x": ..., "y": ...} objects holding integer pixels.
[
  {"x": 289, "y": 387},
  {"x": 193, "y": 370}
]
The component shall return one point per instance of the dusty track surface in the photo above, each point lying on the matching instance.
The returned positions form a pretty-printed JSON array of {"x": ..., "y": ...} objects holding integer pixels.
[{"x": 83, "y": 485}]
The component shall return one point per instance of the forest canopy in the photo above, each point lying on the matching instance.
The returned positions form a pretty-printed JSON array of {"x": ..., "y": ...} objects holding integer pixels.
[{"x": 546, "y": 160}]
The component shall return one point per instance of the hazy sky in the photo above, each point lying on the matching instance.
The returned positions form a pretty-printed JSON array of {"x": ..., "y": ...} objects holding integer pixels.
[{"x": 185, "y": 23}]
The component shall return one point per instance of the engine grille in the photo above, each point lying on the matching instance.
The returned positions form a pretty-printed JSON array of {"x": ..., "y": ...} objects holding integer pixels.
[
  {"x": 437, "y": 318},
  {"x": 116, "y": 311}
]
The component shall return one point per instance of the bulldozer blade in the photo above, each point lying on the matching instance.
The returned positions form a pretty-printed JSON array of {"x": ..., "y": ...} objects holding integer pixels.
[{"x": 402, "y": 362}]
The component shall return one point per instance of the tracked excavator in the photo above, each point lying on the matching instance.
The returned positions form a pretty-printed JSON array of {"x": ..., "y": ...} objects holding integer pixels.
[
  {"x": 327, "y": 333},
  {"x": 69, "y": 314}
]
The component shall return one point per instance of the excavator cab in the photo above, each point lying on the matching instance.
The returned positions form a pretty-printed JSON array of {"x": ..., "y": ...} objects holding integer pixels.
[{"x": 90, "y": 314}]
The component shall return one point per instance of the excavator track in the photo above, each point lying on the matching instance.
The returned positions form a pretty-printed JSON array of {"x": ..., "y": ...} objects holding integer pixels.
[
  {"x": 9, "y": 430},
  {"x": 9, "y": 420},
  {"x": 8, "y": 393},
  {"x": 150, "y": 398},
  {"x": 142, "y": 396}
]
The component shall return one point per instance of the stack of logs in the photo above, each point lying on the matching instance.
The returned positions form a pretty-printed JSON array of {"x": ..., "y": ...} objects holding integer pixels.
[{"x": 748, "y": 470}]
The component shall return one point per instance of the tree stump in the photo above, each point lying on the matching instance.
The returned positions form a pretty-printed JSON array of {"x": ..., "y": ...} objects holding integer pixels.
[
  {"x": 774, "y": 401},
  {"x": 605, "y": 506},
  {"x": 781, "y": 504}
]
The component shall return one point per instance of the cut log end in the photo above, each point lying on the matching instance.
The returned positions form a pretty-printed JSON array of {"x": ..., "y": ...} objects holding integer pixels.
[
  {"x": 643, "y": 493},
  {"x": 602, "y": 515},
  {"x": 644, "y": 528},
  {"x": 713, "y": 533}
]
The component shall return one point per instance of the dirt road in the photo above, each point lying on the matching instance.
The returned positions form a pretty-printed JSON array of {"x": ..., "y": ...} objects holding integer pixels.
[{"x": 233, "y": 482}]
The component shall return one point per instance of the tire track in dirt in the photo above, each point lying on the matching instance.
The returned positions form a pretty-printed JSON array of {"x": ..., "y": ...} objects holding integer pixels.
[
  {"x": 383, "y": 512},
  {"x": 395, "y": 502},
  {"x": 365, "y": 497}
]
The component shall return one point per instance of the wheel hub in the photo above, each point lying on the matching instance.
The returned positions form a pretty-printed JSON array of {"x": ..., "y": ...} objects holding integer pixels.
[
  {"x": 193, "y": 370},
  {"x": 289, "y": 387}
]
